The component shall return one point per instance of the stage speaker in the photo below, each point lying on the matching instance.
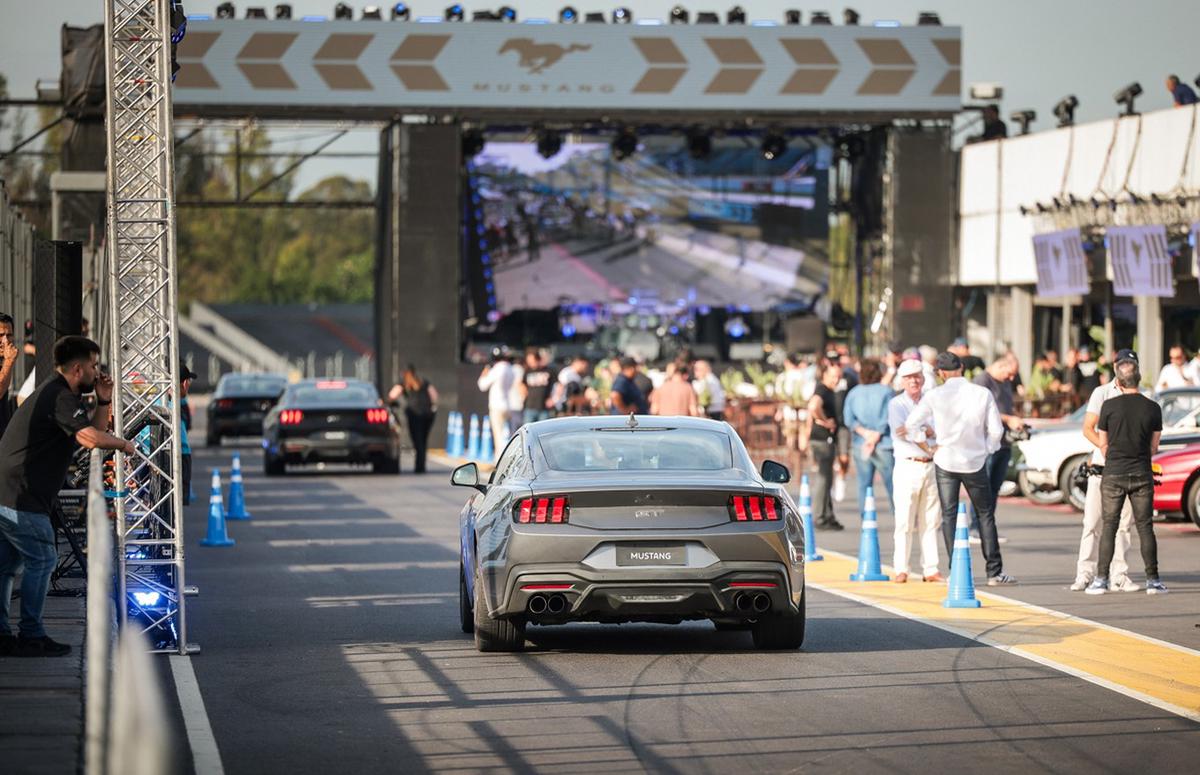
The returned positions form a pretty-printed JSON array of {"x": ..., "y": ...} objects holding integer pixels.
[{"x": 57, "y": 298}]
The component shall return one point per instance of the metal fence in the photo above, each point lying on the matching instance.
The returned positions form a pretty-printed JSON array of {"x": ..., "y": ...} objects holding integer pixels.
[{"x": 17, "y": 239}]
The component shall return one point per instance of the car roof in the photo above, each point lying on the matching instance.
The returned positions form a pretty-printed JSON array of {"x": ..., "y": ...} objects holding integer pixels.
[
  {"x": 252, "y": 375},
  {"x": 616, "y": 421},
  {"x": 314, "y": 381}
]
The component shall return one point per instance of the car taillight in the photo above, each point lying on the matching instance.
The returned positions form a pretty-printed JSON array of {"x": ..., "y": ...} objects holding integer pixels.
[
  {"x": 753, "y": 508},
  {"x": 377, "y": 416},
  {"x": 225, "y": 403},
  {"x": 290, "y": 417},
  {"x": 542, "y": 510}
]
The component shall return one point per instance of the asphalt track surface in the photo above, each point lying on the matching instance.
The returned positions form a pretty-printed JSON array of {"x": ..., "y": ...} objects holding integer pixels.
[{"x": 331, "y": 644}]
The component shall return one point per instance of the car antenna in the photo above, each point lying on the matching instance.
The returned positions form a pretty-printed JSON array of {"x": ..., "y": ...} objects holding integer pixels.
[{"x": 632, "y": 421}]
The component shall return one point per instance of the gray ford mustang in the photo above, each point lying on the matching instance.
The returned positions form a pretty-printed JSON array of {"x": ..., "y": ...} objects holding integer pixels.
[{"x": 619, "y": 519}]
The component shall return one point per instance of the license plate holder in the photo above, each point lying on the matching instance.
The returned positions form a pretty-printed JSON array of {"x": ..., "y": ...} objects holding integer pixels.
[
  {"x": 661, "y": 555},
  {"x": 336, "y": 435}
]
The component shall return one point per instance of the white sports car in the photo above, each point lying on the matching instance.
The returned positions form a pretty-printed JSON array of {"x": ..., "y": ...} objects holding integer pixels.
[{"x": 1053, "y": 455}]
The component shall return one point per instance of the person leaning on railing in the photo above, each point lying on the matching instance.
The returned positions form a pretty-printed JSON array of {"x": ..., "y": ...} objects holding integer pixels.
[{"x": 35, "y": 453}]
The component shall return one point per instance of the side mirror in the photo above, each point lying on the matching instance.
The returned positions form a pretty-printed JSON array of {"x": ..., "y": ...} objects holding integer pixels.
[
  {"x": 467, "y": 475},
  {"x": 776, "y": 473}
]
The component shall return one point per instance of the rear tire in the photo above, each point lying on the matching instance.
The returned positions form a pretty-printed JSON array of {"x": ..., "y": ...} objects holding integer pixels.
[
  {"x": 1066, "y": 482},
  {"x": 1038, "y": 495},
  {"x": 784, "y": 631},
  {"x": 1191, "y": 505},
  {"x": 466, "y": 617},
  {"x": 494, "y": 634},
  {"x": 212, "y": 440},
  {"x": 272, "y": 466}
]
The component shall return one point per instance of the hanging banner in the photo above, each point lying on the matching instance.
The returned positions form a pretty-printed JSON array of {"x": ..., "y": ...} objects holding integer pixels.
[
  {"x": 1195, "y": 240},
  {"x": 1061, "y": 263},
  {"x": 1141, "y": 263}
]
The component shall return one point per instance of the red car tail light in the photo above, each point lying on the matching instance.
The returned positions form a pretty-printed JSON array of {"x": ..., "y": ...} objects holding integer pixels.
[
  {"x": 377, "y": 416},
  {"x": 225, "y": 403},
  {"x": 543, "y": 510},
  {"x": 753, "y": 508},
  {"x": 290, "y": 417}
]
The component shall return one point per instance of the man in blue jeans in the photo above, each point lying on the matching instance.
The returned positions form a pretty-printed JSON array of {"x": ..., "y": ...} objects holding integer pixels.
[
  {"x": 998, "y": 379},
  {"x": 865, "y": 413},
  {"x": 34, "y": 456}
]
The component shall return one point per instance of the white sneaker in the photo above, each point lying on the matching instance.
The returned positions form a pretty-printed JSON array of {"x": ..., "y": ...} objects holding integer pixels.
[
  {"x": 1001, "y": 540},
  {"x": 1124, "y": 584},
  {"x": 1098, "y": 586},
  {"x": 1001, "y": 580},
  {"x": 839, "y": 488},
  {"x": 974, "y": 540},
  {"x": 1155, "y": 587},
  {"x": 1080, "y": 583}
]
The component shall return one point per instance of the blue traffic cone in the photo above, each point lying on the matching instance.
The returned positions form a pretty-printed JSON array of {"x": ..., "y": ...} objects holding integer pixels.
[
  {"x": 454, "y": 437},
  {"x": 486, "y": 452},
  {"x": 237, "y": 496},
  {"x": 473, "y": 439},
  {"x": 216, "y": 516},
  {"x": 806, "y": 516},
  {"x": 962, "y": 584},
  {"x": 868, "y": 544}
]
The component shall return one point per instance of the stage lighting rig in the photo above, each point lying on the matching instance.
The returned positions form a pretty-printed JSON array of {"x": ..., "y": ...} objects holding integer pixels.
[
  {"x": 343, "y": 11},
  {"x": 594, "y": 17},
  {"x": 622, "y": 16},
  {"x": 1126, "y": 96},
  {"x": 472, "y": 143},
  {"x": 256, "y": 13},
  {"x": 1064, "y": 111},
  {"x": 372, "y": 12},
  {"x": 774, "y": 145},
  {"x": 507, "y": 13},
  {"x": 679, "y": 15},
  {"x": 283, "y": 11},
  {"x": 568, "y": 15},
  {"x": 707, "y": 17},
  {"x": 1023, "y": 118},
  {"x": 226, "y": 11},
  {"x": 791, "y": 16},
  {"x": 455, "y": 13},
  {"x": 850, "y": 17},
  {"x": 736, "y": 15},
  {"x": 820, "y": 17},
  {"x": 699, "y": 142},
  {"x": 928, "y": 19},
  {"x": 625, "y": 144},
  {"x": 401, "y": 12},
  {"x": 549, "y": 143}
]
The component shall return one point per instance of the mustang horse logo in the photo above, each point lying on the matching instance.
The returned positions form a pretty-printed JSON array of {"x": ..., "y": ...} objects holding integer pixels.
[{"x": 536, "y": 57}]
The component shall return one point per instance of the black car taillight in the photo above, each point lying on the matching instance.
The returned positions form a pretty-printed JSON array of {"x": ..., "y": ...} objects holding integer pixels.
[
  {"x": 542, "y": 510},
  {"x": 225, "y": 403},
  {"x": 753, "y": 508}
]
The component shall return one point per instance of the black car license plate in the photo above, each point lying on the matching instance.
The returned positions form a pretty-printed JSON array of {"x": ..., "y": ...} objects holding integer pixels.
[{"x": 672, "y": 554}]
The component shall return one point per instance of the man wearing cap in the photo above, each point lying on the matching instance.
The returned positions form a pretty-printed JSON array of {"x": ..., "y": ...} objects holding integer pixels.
[
  {"x": 914, "y": 485},
  {"x": 1089, "y": 541},
  {"x": 969, "y": 429}
]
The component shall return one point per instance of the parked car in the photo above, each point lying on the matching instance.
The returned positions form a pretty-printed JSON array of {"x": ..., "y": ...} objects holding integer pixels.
[
  {"x": 1054, "y": 455},
  {"x": 614, "y": 519},
  {"x": 1179, "y": 489},
  {"x": 240, "y": 403},
  {"x": 328, "y": 420}
]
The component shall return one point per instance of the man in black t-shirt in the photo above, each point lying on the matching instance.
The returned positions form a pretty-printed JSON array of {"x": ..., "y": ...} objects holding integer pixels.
[
  {"x": 535, "y": 387},
  {"x": 1130, "y": 426},
  {"x": 8, "y": 361},
  {"x": 822, "y": 424},
  {"x": 34, "y": 455}
]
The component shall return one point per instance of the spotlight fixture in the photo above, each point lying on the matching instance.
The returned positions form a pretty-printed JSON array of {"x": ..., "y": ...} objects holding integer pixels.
[
  {"x": 401, "y": 12},
  {"x": 699, "y": 142},
  {"x": 928, "y": 19},
  {"x": 549, "y": 143},
  {"x": 594, "y": 17},
  {"x": 472, "y": 143},
  {"x": 283, "y": 11},
  {"x": 1064, "y": 111},
  {"x": 622, "y": 16},
  {"x": 707, "y": 17},
  {"x": 226, "y": 11},
  {"x": 455, "y": 13},
  {"x": 850, "y": 17},
  {"x": 1023, "y": 118},
  {"x": 774, "y": 145},
  {"x": 791, "y": 16},
  {"x": 679, "y": 15},
  {"x": 372, "y": 12},
  {"x": 736, "y": 15},
  {"x": 507, "y": 13},
  {"x": 820, "y": 17},
  {"x": 568, "y": 15},
  {"x": 343, "y": 11},
  {"x": 625, "y": 144},
  {"x": 1126, "y": 96},
  {"x": 256, "y": 13}
]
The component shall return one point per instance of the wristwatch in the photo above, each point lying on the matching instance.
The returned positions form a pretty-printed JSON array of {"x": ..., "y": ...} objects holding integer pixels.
[{"x": 100, "y": 402}]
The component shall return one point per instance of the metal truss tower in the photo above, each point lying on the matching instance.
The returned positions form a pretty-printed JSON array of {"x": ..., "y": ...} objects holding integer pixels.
[{"x": 144, "y": 348}]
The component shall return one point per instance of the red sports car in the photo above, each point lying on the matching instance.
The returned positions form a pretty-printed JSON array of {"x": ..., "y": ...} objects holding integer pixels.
[{"x": 1180, "y": 488}]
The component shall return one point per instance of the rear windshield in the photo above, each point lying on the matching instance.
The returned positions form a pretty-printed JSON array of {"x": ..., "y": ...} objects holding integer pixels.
[
  {"x": 251, "y": 386},
  {"x": 350, "y": 395},
  {"x": 642, "y": 450}
]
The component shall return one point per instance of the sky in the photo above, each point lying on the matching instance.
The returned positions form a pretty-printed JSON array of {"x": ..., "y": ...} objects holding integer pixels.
[{"x": 1038, "y": 50}]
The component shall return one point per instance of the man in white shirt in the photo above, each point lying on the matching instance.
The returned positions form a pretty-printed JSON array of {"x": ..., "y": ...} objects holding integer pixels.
[
  {"x": 704, "y": 382},
  {"x": 1089, "y": 541},
  {"x": 968, "y": 430},
  {"x": 914, "y": 485},
  {"x": 1192, "y": 369},
  {"x": 497, "y": 381},
  {"x": 1174, "y": 372}
]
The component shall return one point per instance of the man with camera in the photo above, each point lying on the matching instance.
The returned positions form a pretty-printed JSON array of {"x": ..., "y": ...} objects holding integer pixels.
[
  {"x": 1129, "y": 426},
  {"x": 1089, "y": 541}
]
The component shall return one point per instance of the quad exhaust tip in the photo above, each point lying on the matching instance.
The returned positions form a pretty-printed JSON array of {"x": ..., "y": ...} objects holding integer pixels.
[
  {"x": 543, "y": 604},
  {"x": 537, "y": 605},
  {"x": 556, "y": 604},
  {"x": 759, "y": 603}
]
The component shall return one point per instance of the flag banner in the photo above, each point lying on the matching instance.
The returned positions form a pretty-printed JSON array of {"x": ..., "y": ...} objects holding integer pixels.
[
  {"x": 1061, "y": 263},
  {"x": 1141, "y": 262}
]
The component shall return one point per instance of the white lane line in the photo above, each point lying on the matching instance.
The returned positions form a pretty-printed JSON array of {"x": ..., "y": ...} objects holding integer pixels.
[
  {"x": 291, "y": 543},
  {"x": 205, "y": 757},
  {"x": 322, "y": 522},
  {"x": 372, "y": 566}
]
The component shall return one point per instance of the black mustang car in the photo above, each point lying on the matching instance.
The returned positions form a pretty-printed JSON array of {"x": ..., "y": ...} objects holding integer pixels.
[
  {"x": 331, "y": 421},
  {"x": 240, "y": 403}
]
